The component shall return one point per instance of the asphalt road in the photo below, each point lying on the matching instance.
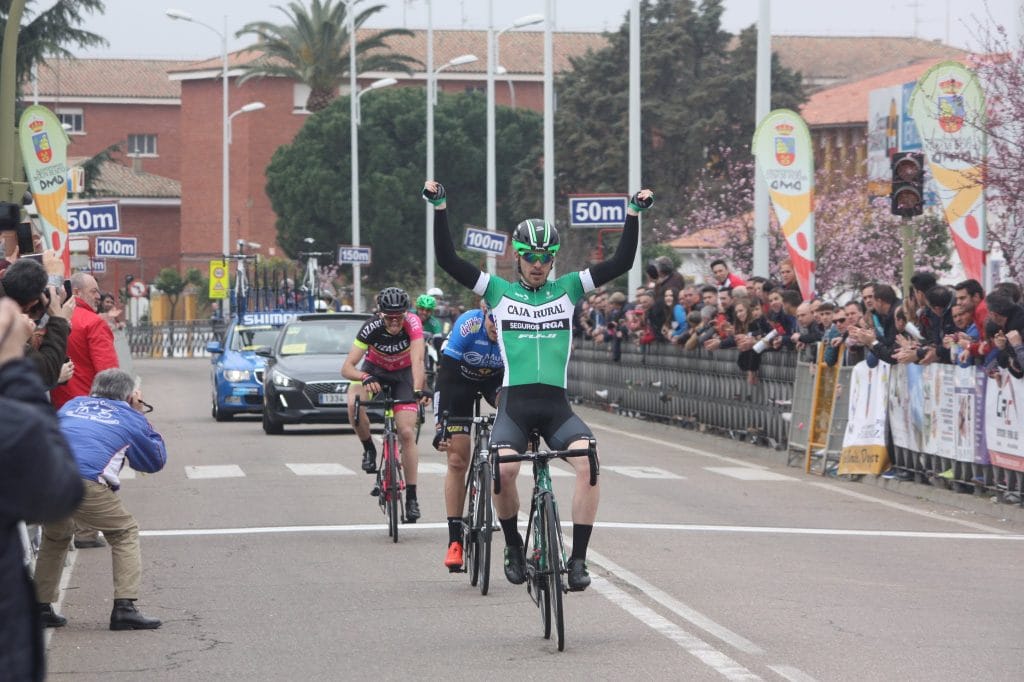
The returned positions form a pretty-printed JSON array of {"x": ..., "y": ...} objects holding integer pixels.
[{"x": 711, "y": 559}]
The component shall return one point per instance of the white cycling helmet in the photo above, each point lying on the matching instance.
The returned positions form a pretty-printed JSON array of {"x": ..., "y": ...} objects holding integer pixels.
[
  {"x": 435, "y": 292},
  {"x": 345, "y": 308}
]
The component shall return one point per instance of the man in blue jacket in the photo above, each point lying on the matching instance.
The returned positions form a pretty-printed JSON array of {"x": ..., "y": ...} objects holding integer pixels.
[{"x": 106, "y": 430}]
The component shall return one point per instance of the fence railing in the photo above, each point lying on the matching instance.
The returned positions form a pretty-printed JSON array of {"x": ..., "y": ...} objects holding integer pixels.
[
  {"x": 698, "y": 389},
  {"x": 176, "y": 339}
]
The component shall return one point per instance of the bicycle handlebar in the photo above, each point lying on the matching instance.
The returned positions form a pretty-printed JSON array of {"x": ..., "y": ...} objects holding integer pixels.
[{"x": 590, "y": 452}]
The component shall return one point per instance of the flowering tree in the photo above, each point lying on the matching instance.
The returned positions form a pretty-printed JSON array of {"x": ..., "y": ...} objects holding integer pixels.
[{"x": 856, "y": 241}]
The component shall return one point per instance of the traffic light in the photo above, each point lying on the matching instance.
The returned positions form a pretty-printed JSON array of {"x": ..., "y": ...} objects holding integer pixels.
[{"x": 907, "y": 195}]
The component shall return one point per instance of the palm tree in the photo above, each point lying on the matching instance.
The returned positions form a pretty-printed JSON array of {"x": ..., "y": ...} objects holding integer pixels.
[
  {"x": 312, "y": 48},
  {"x": 49, "y": 32}
]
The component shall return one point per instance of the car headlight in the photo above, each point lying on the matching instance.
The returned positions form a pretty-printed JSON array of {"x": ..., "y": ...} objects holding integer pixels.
[
  {"x": 280, "y": 379},
  {"x": 235, "y": 375}
]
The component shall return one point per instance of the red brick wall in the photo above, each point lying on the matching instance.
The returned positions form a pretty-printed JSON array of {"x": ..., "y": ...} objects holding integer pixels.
[
  {"x": 106, "y": 124},
  {"x": 256, "y": 135}
]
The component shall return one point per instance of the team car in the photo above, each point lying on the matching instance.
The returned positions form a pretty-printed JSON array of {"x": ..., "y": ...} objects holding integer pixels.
[
  {"x": 237, "y": 372},
  {"x": 303, "y": 382}
]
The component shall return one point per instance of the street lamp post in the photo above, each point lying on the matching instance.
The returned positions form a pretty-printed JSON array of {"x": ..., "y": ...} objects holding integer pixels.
[
  {"x": 431, "y": 103},
  {"x": 357, "y": 285},
  {"x": 492, "y": 62},
  {"x": 225, "y": 132}
]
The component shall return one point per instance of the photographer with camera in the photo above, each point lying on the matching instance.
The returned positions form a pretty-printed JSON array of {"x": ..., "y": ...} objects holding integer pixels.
[
  {"x": 38, "y": 290},
  {"x": 106, "y": 430}
]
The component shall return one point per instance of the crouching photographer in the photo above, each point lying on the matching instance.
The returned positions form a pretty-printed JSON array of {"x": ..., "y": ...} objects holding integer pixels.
[{"x": 40, "y": 292}]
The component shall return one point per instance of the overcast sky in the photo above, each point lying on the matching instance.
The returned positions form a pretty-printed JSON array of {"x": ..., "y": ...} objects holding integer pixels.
[{"x": 138, "y": 28}]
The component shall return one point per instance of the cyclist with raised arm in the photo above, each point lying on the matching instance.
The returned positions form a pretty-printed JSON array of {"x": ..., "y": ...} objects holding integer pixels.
[
  {"x": 534, "y": 318},
  {"x": 425, "y": 305},
  {"x": 470, "y": 364},
  {"x": 390, "y": 347}
]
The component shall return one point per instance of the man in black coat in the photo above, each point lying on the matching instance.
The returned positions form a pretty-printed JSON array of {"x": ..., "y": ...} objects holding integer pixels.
[
  {"x": 40, "y": 483},
  {"x": 1007, "y": 316}
]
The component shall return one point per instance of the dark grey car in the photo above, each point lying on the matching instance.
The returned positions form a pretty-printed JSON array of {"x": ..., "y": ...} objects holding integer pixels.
[{"x": 303, "y": 382}]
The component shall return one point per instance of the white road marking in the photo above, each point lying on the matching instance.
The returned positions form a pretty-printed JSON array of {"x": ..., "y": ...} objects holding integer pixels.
[
  {"x": 214, "y": 471},
  {"x": 643, "y": 472},
  {"x": 810, "y": 531},
  {"x": 790, "y": 673},
  {"x": 65, "y": 579},
  {"x": 432, "y": 468},
  {"x": 556, "y": 472},
  {"x": 906, "y": 508},
  {"x": 320, "y": 469},
  {"x": 682, "y": 448},
  {"x": 748, "y": 474},
  {"x": 695, "y": 646},
  {"x": 263, "y": 530},
  {"x": 677, "y": 607}
]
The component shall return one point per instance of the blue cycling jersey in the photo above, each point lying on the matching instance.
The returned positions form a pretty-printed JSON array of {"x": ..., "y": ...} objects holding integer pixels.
[{"x": 469, "y": 345}]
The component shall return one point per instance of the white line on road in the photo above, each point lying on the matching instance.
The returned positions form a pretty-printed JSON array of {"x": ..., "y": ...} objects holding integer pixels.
[
  {"x": 790, "y": 673},
  {"x": 833, "y": 488},
  {"x": 65, "y": 580},
  {"x": 643, "y": 472},
  {"x": 697, "y": 647},
  {"x": 677, "y": 607},
  {"x": 214, "y": 471},
  {"x": 287, "y": 529},
  {"x": 748, "y": 474},
  {"x": 320, "y": 469},
  {"x": 810, "y": 531}
]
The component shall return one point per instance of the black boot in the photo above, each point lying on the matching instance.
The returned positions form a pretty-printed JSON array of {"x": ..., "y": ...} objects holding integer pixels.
[
  {"x": 126, "y": 617},
  {"x": 49, "y": 618}
]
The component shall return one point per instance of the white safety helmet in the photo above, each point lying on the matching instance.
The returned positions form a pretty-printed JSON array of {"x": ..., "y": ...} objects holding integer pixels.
[
  {"x": 345, "y": 308},
  {"x": 435, "y": 292}
]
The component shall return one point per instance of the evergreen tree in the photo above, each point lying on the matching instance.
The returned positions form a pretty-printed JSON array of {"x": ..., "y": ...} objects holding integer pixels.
[{"x": 51, "y": 33}]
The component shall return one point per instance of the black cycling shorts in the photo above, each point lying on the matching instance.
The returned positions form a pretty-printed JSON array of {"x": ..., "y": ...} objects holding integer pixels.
[
  {"x": 457, "y": 395},
  {"x": 400, "y": 382},
  {"x": 536, "y": 406}
]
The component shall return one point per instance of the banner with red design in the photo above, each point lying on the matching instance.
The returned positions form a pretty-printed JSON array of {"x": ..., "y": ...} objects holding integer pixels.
[
  {"x": 948, "y": 105},
  {"x": 782, "y": 145},
  {"x": 44, "y": 154}
]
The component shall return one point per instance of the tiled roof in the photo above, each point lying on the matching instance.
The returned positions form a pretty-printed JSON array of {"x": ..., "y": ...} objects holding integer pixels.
[
  {"x": 519, "y": 51},
  {"x": 135, "y": 78},
  {"x": 826, "y": 60},
  {"x": 848, "y": 103},
  {"x": 121, "y": 182}
]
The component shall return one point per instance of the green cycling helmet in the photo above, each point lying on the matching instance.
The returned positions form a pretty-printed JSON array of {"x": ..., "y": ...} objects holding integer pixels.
[
  {"x": 426, "y": 302},
  {"x": 535, "y": 234}
]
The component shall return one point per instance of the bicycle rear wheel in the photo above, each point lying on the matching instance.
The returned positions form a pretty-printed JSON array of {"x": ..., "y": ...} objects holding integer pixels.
[
  {"x": 392, "y": 489},
  {"x": 484, "y": 526},
  {"x": 555, "y": 565}
]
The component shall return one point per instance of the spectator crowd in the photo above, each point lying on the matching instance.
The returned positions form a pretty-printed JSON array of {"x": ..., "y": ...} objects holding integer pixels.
[{"x": 960, "y": 324}]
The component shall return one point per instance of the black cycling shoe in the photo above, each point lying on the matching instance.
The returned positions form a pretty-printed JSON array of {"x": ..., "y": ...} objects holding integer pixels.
[
  {"x": 579, "y": 578},
  {"x": 412, "y": 511},
  {"x": 515, "y": 565},
  {"x": 369, "y": 461}
]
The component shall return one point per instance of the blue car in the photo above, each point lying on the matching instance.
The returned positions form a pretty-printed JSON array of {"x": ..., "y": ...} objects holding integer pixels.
[{"x": 237, "y": 372}]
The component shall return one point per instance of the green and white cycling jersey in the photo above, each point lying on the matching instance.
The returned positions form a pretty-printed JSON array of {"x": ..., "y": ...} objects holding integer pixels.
[{"x": 534, "y": 325}]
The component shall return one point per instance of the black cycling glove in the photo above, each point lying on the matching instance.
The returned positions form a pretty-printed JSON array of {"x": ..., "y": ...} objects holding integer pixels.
[
  {"x": 640, "y": 205},
  {"x": 435, "y": 197},
  {"x": 370, "y": 379}
]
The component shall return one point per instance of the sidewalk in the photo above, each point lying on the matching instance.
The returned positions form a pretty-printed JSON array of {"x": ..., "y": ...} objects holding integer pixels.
[{"x": 981, "y": 505}]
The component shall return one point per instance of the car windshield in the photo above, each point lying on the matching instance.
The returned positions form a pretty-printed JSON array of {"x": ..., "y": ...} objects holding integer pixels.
[
  {"x": 319, "y": 337},
  {"x": 251, "y": 338}
]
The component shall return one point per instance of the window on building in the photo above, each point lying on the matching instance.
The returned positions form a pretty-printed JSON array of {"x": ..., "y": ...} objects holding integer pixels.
[
  {"x": 141, "y": 145},
  {"x": 300, "y": 94},
  {"x": 73, "y": 120}
]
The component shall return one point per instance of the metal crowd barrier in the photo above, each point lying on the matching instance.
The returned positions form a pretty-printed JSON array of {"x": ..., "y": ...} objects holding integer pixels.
[
  {"x": 176, "y": 339},
  {"x": 700, "y": 389}
]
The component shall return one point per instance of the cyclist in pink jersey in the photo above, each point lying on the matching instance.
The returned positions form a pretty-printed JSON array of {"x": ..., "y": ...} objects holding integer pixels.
[{"x": 390, "y": 348}]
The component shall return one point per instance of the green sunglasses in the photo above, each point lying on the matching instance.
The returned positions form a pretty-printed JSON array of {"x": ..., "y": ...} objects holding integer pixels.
[{"x": 542, "y": 257}]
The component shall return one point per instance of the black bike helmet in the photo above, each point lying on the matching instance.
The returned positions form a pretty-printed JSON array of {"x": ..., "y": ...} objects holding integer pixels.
[
  {"x": 393, "y": 300},
  {"x": 535, "y": 234}
]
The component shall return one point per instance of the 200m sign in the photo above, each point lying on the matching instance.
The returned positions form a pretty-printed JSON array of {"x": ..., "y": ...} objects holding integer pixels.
[{"x": 117, "y": 247}]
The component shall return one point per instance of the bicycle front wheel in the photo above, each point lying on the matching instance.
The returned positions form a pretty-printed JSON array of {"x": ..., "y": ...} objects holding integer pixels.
[
  {"x": 484, "y": 525},
  {"x": 555, "y": 565},
  {"x": 392, "y": 487},
  {"x": 537, "y": 581},
  {"x": 470, "y": 531}
]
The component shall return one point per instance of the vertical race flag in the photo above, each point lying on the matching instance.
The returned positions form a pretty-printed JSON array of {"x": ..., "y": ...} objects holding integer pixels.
[
  {"x": 44, "y": 153},
  {"x": 784, "y": 154},
  {"x": 948, "y": 105}
]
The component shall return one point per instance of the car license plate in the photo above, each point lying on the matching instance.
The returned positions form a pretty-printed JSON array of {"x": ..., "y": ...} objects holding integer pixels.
[{"x": 332, "y": 399}]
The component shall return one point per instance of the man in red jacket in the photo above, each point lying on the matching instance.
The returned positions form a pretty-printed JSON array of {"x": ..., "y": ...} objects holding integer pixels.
[
  {"x": 91, "y": 343},
  {"x": 91, "y": 349}
]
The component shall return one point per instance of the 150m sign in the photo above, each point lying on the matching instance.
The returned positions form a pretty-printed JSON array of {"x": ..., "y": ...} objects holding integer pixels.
[{"x": 117, "y": 247}]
